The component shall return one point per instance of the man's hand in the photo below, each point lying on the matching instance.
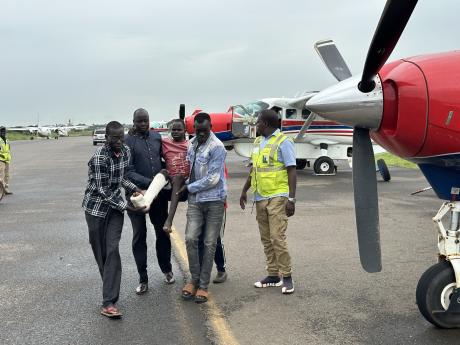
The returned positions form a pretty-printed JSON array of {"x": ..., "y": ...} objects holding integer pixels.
[
  {"x": 138, "y": 192},
  {"x": 243, "y": 200},
  {"x": 290, "y": 208},
  {"x": 133, "y": 209},
  {"x": 182, "y": 190}
]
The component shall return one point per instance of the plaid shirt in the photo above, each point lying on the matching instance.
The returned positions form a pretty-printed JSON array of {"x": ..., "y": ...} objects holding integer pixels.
[{"x": 105, "y": 179}]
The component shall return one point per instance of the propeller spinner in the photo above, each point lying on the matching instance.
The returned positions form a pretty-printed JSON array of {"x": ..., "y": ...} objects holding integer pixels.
[{"x": 359, "y": 103}]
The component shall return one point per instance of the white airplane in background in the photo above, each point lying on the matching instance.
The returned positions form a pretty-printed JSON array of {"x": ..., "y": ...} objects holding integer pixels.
[{"x": 47, "y": 131}]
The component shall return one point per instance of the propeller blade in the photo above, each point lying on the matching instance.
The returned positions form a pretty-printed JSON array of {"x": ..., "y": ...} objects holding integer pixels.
[
  {"x": 394, "y": 18},
  {"x": 333, "y": 60},
  {"x": 366, "y": 201}
]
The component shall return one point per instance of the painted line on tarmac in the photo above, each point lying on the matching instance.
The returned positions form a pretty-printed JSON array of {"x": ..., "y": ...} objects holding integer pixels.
[{"x": 218, "y": 322}]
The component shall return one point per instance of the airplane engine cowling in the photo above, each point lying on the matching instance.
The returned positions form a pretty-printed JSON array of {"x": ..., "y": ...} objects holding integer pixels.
[{"x": 405, "y": 109}]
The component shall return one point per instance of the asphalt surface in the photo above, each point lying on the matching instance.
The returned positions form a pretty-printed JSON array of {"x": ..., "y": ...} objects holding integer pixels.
[{"x": 50, "y": 289}]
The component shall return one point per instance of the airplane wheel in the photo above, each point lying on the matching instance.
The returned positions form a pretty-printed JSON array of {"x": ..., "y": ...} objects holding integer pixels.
[
  {"x": 434, "y": 291},
  {"x": 324, "y": 165},
  {"x": 383, "y": 169},
  {"x": 300, "y": 164},
  {"x": 94, "y": 143}
]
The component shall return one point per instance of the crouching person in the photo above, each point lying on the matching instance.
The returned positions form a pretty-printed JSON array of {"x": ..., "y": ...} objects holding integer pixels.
[
  {"x": 206, "y": 197},
  {"x": 104, "y": 206}
]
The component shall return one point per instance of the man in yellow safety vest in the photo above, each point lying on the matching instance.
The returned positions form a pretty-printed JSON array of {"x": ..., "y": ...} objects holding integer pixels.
[
  {"x": 5, "y": 159},
  {"x": 273, "y": 180}
]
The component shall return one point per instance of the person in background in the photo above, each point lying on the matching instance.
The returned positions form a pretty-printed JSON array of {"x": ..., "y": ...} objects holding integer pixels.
[
  {"x": 273, "y": 181},
  {"x": 146, "y": 153},
  {"x": 5, "y": 160},
  {"x": 104, "y": 206}
]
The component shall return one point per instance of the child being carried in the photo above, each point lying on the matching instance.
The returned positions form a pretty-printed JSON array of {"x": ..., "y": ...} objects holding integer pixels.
[{"x": 177, "y": 171}]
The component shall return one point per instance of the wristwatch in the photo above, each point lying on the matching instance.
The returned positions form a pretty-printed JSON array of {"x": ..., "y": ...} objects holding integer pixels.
[{"x": 292, "y": 200}]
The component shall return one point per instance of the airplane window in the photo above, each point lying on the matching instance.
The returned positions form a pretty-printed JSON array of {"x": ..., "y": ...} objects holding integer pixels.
[
  {"x": 291, "y": 113},
  {"x": 305, "y": 113}
]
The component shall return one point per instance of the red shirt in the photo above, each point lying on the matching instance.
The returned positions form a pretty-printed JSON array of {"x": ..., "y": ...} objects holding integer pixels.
[{"x": 175, "y": 153}]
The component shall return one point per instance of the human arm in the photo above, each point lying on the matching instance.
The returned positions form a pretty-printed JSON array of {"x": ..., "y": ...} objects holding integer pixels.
[
  {"x": 244, "y": 192},
  {"x": 215, "y": 168},
  {"x": 287, "y": 156},
  {"x": 292, "y": 182}
]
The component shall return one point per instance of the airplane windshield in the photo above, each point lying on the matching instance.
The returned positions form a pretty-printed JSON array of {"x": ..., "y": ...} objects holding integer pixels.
[{"x": 250, "y": 109}]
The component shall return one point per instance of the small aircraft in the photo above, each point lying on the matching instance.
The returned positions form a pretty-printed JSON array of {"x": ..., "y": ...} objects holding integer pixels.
[
  {"x": 410, "y": 107},
  {"x": 317, "y": 140},
  {"x": 47, "y": 131}
]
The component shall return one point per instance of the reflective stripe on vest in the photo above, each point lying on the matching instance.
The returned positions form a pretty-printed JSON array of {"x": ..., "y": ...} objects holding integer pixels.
[{"x": 269, "y": 176}]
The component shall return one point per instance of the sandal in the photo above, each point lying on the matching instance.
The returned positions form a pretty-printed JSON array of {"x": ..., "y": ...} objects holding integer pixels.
[
  {"x": 201, "y": 296},
  {"x": 111, "y": 312},
  {"x": 188, "y": 292}
]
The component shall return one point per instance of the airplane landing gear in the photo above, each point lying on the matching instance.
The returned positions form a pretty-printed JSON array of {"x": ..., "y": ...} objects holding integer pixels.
[
  {"x": 434, "y": 293},
  {"x": 301, "y": 164},
  {"x": 438, "y": 290},
  {"x": 324, "y": 165}
]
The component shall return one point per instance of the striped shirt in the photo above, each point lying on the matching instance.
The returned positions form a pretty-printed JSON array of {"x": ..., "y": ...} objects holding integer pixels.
[{"x": 106, "y": 176}]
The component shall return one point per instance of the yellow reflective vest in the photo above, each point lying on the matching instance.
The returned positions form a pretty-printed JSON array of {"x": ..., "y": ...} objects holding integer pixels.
[
  {"x": 268, "y": 176},
  {"x": 5, "y": 154}
]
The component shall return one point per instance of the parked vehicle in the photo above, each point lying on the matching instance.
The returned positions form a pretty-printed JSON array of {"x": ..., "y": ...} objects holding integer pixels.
[{"x": 99, "y": 136}]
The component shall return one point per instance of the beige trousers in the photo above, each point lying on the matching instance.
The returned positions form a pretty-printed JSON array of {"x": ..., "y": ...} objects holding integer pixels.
[
  {"x": 5, "y": 174},
  {"x": 272, "y": 219}
]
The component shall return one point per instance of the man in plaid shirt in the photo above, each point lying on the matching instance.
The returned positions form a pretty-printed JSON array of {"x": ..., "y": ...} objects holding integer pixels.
[{"x": 104, "y": 206}]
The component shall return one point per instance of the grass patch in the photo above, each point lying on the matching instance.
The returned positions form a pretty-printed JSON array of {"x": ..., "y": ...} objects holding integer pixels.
[
  {"x": 394, "y": 161},
  {"x": 12, "y": 136}
]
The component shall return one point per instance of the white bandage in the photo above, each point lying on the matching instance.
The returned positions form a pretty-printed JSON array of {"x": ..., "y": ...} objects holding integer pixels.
[{"x": 155, "y": 187}]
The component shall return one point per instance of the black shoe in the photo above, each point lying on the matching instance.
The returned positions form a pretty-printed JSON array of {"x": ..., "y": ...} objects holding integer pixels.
[
  {"x": 288, "y": 285},
  {"x": 169, "y": 278},
  {"x": 268, "y": 281},
  {"x": 142, "y": 288},
  {"x": 220, "y": 277},
  {"x": 8, "y": 192}
]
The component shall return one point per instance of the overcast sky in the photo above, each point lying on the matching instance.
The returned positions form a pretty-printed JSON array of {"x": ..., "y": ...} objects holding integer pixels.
[{"x": 96, "y": 61}]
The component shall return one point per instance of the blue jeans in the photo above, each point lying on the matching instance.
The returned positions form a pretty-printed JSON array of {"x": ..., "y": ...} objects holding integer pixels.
[
  {"x": 219, "y": 256},
  {"x": 204, "y": 217}
]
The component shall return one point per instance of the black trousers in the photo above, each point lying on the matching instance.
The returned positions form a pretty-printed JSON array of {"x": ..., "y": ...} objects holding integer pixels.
[
  {"x": 219, "y": 256},
  {"x": 104, "y": 237},
  {"x": 158, "y": 214}
]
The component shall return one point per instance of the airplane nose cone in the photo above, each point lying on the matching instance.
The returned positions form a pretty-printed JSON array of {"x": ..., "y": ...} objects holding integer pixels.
[{"x": 344, "y": 103}]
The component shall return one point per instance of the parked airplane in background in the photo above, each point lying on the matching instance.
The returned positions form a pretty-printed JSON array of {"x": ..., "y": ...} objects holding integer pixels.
[
  {"x": 410, "y": 107},
  {"x": 318, "y": 141},
  {"x": 47, "y": 131}
]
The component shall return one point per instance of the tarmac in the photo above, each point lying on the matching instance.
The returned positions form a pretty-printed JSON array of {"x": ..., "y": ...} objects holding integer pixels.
[{"x": 50, "y": 289}]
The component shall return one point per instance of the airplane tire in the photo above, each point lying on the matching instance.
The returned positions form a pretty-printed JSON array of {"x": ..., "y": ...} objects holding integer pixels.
[
  {"x": 383, "y": 169},
  {"x": 324, "y": 165},
  {"x": 433, "y": 293},
  {"x": 300, "y": 164},
  {"x": 94, "y": 143}
]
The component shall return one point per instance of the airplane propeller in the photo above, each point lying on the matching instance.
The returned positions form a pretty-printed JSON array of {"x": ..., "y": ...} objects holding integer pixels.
[
  {"x": 394, "y": 18},
  {"x": 350, "y": 102}
]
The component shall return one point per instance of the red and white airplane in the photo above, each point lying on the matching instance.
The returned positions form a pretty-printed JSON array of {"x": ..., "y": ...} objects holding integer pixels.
[
  {"x": 317, "y": 140},
  {"x": 411, "y": 107}
]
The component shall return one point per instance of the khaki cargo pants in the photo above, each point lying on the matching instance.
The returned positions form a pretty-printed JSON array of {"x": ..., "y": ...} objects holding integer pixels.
[
  {"x": 272, "y": 219},
  {"x": 5, "y": 174}
]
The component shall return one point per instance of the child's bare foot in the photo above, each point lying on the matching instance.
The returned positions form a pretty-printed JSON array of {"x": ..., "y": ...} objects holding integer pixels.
[{"x": 167, "y": 227}]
